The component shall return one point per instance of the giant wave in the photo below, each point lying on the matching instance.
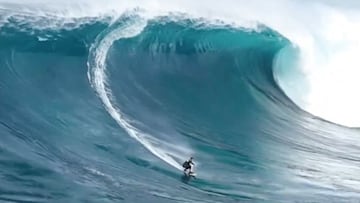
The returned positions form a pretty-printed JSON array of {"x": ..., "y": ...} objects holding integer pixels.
[{"x": 104, "y": 106}]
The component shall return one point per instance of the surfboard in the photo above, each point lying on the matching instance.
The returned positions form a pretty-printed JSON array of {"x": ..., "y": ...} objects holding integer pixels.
[{"x": 190, "y": 174}]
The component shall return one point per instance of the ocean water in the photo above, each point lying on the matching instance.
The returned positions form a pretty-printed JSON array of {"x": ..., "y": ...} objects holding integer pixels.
[{"x": 103, "y": 101}]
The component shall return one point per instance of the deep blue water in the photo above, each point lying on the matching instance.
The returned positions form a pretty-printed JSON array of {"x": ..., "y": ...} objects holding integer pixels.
[{"x": 108, "y": 111}]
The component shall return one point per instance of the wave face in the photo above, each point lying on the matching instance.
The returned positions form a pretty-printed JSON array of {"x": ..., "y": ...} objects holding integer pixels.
[{"x": 104, "y": 106}]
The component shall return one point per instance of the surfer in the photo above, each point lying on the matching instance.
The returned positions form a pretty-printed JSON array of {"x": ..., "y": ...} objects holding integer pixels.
[{"x": 187, "y": 165}]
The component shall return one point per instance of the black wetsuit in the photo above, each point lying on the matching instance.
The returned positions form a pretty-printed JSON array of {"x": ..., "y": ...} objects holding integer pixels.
[{"x": 187, "y": 165}]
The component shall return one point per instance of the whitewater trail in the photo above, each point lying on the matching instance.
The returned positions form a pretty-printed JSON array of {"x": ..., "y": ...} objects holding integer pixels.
[{"x": 98, "y": 79}]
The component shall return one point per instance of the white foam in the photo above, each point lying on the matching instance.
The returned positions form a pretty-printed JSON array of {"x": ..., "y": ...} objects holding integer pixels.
[
  {"x": 329, "y": 67},
  {"x": 97, "y": 69}
]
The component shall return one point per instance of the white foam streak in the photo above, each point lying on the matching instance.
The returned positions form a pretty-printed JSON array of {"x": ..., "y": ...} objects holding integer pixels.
[{"x": 97, "y": 76}]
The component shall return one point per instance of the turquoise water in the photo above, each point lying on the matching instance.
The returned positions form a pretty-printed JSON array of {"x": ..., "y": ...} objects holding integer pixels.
[{"x": 107, "y": 111}]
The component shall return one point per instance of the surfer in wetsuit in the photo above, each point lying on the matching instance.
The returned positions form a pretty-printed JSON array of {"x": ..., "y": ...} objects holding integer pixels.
[{"x": 188, "y": 165}]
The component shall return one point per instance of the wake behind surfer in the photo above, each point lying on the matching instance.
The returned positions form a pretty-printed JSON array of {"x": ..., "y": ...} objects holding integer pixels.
[{"x": 188, "y": 166}]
